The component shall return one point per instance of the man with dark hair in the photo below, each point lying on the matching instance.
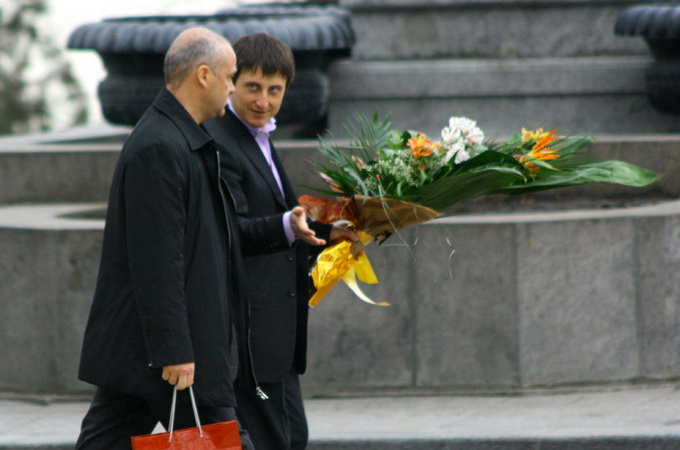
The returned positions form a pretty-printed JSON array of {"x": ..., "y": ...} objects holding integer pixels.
[
  {"x": 166, "y": 304},
  {"x": 277, "y": 283}
]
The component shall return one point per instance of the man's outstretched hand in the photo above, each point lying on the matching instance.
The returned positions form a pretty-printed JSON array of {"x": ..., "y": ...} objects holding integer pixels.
[{"x": 298, "y": 223}]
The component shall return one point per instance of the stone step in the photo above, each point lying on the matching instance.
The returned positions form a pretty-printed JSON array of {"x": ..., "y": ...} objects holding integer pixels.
[
  {"x": 435, "y": 29},
  {"x": 426, "y": 29},
  {"x": 74, "y": 165},
  {"x": 506, "y": 63},
  {"x": 577, "y": 95}
]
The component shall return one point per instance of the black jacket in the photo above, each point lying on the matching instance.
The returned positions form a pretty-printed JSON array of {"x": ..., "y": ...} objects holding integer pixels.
[
  {"x": 166, "y": 291},
  {"x": 277, "y": 277}
]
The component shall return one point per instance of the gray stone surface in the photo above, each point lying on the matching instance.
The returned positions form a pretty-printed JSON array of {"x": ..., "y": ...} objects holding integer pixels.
[
  {"x": 46, "y": 181},
  {"x": 577, "y": 301},
  {"x": 505, "y": 63},
  {"x": 47, "y": 277},
  {"x": 479, "y": 300},
  {"x": 521, "y": 300},
  {"x": 466, "y": 299},
  {"x": 71, "y": 166},
  {"x": 658, "y": 296},
  {"x": 403, "y": 29},
  {"x": 617, "y": 418},
  {"x": 352, "y": 343},
  {"x": 31, "y": 165},
  {"x": 490, "y": 77},
  {"x": 594, "y": 95}
]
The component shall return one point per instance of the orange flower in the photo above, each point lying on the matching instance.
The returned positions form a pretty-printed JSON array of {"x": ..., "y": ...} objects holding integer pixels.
[
  {"x": 528, "y": 135},
  {"x": 545, "y": 140},
  {"x": 540, "y": 151},
  {"x": 421, "y": 146}
]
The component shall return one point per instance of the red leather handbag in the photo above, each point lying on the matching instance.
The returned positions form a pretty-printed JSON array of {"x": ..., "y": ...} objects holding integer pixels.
[{"x": 223, "y": 435}]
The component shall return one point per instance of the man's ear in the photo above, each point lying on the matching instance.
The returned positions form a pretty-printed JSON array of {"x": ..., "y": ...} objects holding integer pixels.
[{"x": 202, "y": 74}]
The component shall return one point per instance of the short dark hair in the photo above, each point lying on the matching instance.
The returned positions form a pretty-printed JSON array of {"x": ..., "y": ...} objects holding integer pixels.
[{"x": 268, "y": 53}]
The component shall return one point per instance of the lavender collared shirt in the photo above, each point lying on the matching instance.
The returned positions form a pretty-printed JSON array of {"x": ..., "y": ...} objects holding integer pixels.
[{"x": 261, "y": 136}]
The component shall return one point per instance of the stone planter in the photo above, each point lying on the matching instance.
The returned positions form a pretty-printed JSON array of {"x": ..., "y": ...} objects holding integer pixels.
[
  {"x": 132, "y": 50},
  {"x": 659, "y": 26}
]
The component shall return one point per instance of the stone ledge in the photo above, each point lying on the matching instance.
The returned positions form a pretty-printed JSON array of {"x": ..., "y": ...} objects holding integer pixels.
[
  {"x": 479, "y": 78},
  {"x": 52, "y": 169},
  {"x": 410, "y": 4},
  {"x": 52, "y": 217},
  {"x": 661, "y": 209},
  {"x": 576, "y": 95}
]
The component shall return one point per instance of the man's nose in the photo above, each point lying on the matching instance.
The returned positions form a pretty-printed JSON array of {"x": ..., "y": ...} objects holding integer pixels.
[{"x": 262, "y": 100}]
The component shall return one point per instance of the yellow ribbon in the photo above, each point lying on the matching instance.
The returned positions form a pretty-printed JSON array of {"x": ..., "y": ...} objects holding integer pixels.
[{"x": 338, "y": 263}]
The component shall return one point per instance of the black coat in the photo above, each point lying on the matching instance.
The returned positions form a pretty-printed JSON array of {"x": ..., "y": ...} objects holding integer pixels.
[
  {"x": 277, "y": 277},
  {"x": 166, "y": 291}
]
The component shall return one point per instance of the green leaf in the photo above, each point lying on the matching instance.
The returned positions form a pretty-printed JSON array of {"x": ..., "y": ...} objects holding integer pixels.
[
  {"x": 616, "y": 172},
  {"x": 444, "y": 193}
]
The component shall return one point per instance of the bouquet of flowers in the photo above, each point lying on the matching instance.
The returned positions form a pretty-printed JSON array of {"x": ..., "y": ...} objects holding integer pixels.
[{"x": 388, "y": 179}]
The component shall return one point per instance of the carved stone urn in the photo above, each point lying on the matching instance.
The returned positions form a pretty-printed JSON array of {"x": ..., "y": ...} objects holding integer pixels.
[
  {"x": 132, "y": 50},
  {"x": 659, "y": 25}
]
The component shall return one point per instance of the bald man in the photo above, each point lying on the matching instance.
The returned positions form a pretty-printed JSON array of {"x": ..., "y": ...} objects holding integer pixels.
[{"x": 166, "y": 308}]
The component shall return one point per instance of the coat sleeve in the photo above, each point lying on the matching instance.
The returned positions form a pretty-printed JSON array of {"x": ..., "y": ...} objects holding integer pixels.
[
  {"x": 262, "y": 235},
  {"x": 155, "y": 186},
  {"x": 258, "y": 235}
]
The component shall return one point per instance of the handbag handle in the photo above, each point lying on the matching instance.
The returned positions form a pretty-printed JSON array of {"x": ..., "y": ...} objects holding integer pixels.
[{"x": 193, "y": 406}]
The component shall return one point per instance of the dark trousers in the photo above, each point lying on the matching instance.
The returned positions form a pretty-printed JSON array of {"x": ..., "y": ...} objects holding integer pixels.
[
  {"x": 114, "y": 417},
  {"x": 278, "y": 423}
]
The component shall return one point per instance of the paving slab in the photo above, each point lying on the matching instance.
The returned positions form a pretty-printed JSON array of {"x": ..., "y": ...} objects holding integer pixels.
[{"x": 630, "y": 417}]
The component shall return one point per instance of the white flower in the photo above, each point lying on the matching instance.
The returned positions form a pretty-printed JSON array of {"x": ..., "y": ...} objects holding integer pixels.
[
  {"x": 451, "y": 134},
  {"x": 461, "y": 156},
  {"x": 456, "y": 150},
  {"x": 462, "y": 139},
  {"x": 462, "y": 123},
  {"x": 452, "y": 149},
  {"x": 466, "y": 128},
  {"x": 475, "y": 136}
]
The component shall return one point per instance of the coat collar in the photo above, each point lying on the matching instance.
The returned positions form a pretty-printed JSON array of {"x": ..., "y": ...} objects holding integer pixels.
[
  {"x": 252, "y": 152},
  {"x": 197, "y": 137},
  {"x": 267, "y": 129}
]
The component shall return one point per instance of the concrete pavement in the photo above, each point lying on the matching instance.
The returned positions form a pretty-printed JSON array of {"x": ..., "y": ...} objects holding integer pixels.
[{"x": 623, "y": 417}]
